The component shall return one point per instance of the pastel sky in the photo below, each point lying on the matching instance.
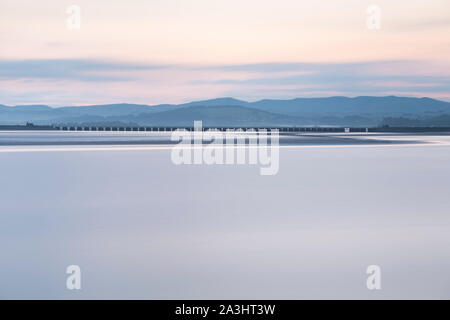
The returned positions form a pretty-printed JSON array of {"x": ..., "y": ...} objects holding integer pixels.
[{"x": 173, "y": 51}]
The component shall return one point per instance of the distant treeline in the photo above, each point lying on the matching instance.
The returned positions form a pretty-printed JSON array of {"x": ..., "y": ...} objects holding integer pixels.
[{"x": 424, "y": 121}]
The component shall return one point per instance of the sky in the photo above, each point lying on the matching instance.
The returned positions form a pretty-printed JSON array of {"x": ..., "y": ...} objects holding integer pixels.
[{"x": 174, "y": 51}]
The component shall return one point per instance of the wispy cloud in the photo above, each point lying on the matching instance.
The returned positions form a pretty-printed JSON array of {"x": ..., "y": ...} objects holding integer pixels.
[
  {"x": 69, "y": 81},
  {"x": 347, "y": 78},
  {"x": 70, "y": 69}
]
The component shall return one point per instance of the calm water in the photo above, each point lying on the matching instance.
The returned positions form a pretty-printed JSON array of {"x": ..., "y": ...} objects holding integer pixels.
[{"x": 141, "y": 227}]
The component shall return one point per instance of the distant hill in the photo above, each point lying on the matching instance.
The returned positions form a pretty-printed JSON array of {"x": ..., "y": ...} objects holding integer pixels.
[
  {"x": 217, "y": 102},
  {"x": 359, "y": 105},
  {"x": 218, "y": 116},
  {"x": 339, "y": 111}
]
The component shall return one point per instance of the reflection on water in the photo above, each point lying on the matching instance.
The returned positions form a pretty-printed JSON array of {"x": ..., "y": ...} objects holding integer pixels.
[
  {"x": 90, "y": 138},
  {"x": 141, "y": 227}
]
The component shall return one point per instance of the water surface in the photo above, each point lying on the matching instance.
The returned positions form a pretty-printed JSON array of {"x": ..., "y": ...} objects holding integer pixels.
[{"x": 142, "y": 227}]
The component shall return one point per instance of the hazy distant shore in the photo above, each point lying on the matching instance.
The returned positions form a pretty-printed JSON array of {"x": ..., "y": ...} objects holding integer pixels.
[
  {"x": 363, "y": 111},
  {"x": 58, "y": 138}
]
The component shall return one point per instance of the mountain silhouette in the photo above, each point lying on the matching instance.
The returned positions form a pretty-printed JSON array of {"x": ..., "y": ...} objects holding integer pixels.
[{"x": 359, "y": 111}]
